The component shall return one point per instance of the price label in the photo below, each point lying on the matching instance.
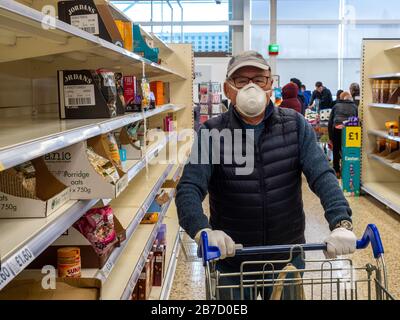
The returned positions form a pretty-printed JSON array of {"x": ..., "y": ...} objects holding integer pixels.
[
  {"x": 108, "y": 268},
  {"x": 353, "y": 137},
  {"x": 20, "y": 260},
  {"x": 5, "y": 275}
]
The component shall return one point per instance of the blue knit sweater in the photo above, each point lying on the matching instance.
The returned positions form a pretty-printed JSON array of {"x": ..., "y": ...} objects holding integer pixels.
[{"x": 193, "y": 185}]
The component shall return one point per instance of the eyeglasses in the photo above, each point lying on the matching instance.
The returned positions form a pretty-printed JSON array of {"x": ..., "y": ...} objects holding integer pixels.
[{"x": 240, "y": 82}]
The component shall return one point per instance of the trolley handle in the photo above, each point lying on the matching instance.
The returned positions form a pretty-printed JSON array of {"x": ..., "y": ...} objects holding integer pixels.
[{"x": 371, "y": 235}]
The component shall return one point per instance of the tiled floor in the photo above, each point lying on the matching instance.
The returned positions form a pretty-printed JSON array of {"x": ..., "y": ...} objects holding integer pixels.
[{"x": 189, "y": 278}]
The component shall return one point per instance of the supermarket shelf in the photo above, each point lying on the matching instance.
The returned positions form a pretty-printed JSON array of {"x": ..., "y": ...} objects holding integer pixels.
[
  {"x": 122, "y": 280},
  {"x": 23, "y": 139},
  {"x": 395, "y": 49},
  {"x": 26, "y": 24},
  {"x": 161, "y": 45},
  {"x": 171, "y": 220},
  {"x": 383, "y": 134},
  {"x": 385, "y": 76},
  {"x": 124, "y": 208},
  {"x": 36, "y": 235},
  {"x": 385, "y": 106},
  {"x": 395, "y": 166},
  {"x": 386, "y": 192}
]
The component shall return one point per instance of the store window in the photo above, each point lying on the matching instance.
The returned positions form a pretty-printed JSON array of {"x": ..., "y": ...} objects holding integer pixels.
[{"x": 373, "y": 9}]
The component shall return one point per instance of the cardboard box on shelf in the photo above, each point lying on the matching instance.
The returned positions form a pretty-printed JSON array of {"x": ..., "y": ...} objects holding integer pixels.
[
  {"x": 50, "y": 195},
  {"x": 90, "y": 17},
  {"x": 87, "y": 94},
  {"x": 157, "y": 87},
  {"x": 73, "y": 238},
  {"x": 65, "y": 289},
  {"x": 133, "y": 151},
  {"x": 72, "y": 167},
  {"x": 166, "y": 91}
]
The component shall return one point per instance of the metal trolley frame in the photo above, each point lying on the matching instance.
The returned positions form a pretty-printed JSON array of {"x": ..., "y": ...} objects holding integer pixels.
[{"x": 328, "y": 279}]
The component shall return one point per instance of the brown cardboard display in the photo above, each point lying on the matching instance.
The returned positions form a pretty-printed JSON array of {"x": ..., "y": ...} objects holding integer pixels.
[
  {"x": 73, "y": 238},
  {"x": 110, "y": 24},
  {"x": 51, "y": 194},
  {"x": 132, "y": 152},
  {"x": 66, "y": 289},
  {"x": 72, "y": 167}
]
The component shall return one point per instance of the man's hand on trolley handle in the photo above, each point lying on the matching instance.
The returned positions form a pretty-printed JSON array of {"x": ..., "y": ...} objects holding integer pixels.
[
  {"x": 220, "y": 239},
  {"x": 341, "y": 241}
]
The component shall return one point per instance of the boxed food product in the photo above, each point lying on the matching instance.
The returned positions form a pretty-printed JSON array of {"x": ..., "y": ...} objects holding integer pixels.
[
  {"x": 92, "y": 18},
  {"x": 88, "y": 170},
  {"x": 135, "y": 293},
  {"x": 385, "y": 91},
  {"x": 121, "y": 104},
  {"x": 394, "y": 91},
  {"x": 143, "y": 46},
  {"x": 125, "y": 29},
  {"x": 90, "y": 257},
  {"x": 157, "y": 87},
  {"x": 158, "y": 266},
  {"x": 132, "y": 139},
  {"x": 29, "y": 190},
  {"x": 144, "y": 282},
  {"x": 167, "y": 94},
  {"x": 86, "y": 94},
  {"x": 69, "y": 262},
  {"x": 130, "y": 89},
  {"x": 145, "y": 86}
]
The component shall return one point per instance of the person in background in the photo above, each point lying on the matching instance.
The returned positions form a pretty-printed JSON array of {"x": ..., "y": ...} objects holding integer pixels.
[
  {"x": 343, "y": 109},
  {"x": 323, "y": 94},
  {"x": 338, "y": 93},
  {"x": 290, "y": 98},
  {"x": 300, "y": 95},
  {"x": 306, "y": 94},
  {"x": 355, "y": 93}
]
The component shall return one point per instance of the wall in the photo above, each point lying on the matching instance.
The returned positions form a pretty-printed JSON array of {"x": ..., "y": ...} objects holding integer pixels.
[{"x": 217, "y": 74}]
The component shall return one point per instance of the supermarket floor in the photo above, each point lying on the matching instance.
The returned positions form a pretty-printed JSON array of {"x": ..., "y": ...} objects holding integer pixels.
[{"x": 189, "y": 277}]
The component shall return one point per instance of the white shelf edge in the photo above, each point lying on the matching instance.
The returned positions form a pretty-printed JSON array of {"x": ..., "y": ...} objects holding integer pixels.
[
  {"x": 383, "y": 134},
  {"x": 127, "y": 293},
  {"x": 385, "y": 75},
  {"x": 385, "y": 162},
  {"x": 170, "y": 274},
  {"x": 385, "y": 106},
  {"x": 39, "y": 147},
  {"x": 50, "y": 233},
  {"x": 366, "y": 188}
]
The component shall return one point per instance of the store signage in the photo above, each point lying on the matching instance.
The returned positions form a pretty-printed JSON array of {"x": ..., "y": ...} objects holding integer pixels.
[
  {"x": 273, "y": 49},
  {"x": 353, "y": 137}
]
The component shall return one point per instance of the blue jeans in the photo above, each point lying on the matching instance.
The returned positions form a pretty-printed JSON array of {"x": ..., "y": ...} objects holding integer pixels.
[{"x": 249, "y": 294}]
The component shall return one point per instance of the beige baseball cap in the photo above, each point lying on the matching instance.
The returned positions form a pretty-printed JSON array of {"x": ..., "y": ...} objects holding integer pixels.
[{"x": 247, "y": 58}]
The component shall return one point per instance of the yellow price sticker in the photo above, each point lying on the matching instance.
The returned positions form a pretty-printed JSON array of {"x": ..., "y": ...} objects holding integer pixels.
[{"x": 353, "y": 137}]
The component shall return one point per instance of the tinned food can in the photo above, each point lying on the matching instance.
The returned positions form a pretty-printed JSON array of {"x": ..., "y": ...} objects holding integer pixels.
[{"x": 69, "y": 262}]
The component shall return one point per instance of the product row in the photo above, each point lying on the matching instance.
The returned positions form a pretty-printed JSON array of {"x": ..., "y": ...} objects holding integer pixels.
[
  {"x": 86, "y": 94},
  {"x": 98, "y": 19},
  {"x": 153, "y": 271},
  {"x": 92, "y": 169},
  {"x": 88, "y": 245},
  {"x": 386, "y": 91}
]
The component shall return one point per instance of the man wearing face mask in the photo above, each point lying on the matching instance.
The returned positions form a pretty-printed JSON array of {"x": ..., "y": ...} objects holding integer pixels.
[{"x": 264, "y": 207}]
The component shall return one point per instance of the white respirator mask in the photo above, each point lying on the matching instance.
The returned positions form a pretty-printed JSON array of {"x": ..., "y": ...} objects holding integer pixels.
[{"x": 251, "y": 100}]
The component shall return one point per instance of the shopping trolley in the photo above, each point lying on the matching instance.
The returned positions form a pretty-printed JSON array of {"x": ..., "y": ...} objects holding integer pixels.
[{"x": 332, "y": 279}]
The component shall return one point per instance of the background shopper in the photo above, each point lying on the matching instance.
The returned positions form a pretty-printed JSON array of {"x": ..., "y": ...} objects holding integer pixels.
[
  {"x": 324, "y": 96},
  {"x": 300, "y": 95},
  {"x": 338, "y": 93},
  {"x": 343, "y": 109},
  {"x": 290, "y": 98},
  {"x": 355, "y": 93},
  {"x": 306, "y": 93}
]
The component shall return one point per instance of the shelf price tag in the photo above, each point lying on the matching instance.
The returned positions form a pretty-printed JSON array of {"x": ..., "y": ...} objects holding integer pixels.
[
  {"x": 20, "y": 260},
  {"x": 353, "y": 137},
  {"x": 108, "y": 268},
  {"x": 6, "y": 275}
]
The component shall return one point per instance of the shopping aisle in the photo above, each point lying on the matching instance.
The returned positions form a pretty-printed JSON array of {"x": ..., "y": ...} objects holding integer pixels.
[{"x": 189, "y": 277}]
